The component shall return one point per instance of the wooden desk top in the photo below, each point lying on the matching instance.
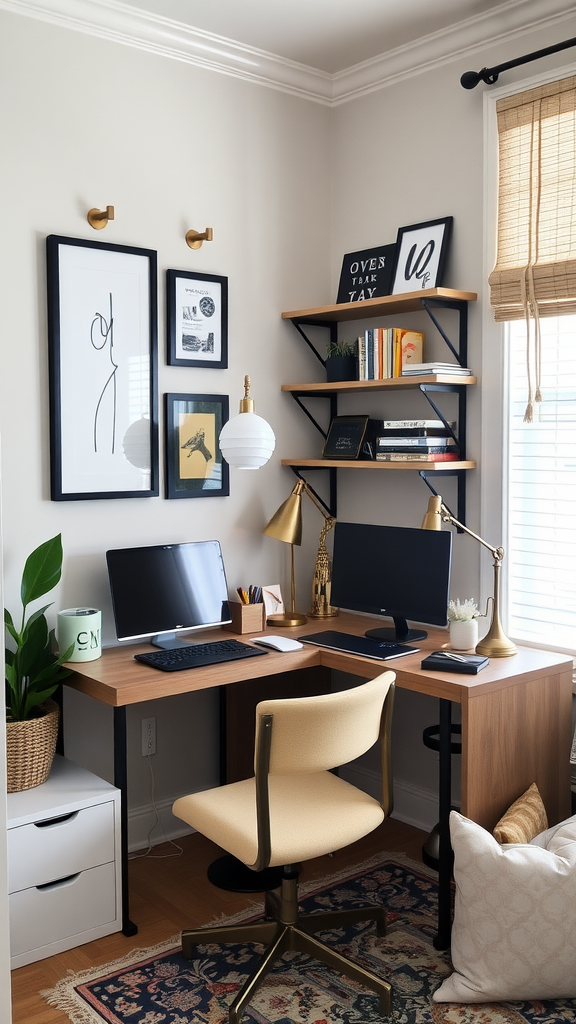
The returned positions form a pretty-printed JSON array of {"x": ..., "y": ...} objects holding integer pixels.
[{"x": 117, "y": 679}]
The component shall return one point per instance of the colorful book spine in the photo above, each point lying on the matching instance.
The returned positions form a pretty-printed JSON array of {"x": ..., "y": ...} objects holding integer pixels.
[{"x": 443, "y": 456}]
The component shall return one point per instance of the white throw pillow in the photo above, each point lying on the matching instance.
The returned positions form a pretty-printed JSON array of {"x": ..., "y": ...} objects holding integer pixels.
[{"x": 514, "y": 931}]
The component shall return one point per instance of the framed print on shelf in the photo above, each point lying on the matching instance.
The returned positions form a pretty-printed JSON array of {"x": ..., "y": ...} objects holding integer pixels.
[
  {"x": 194, "y": 464},
  {"x": 421, "y": 251},
  {"x": 197, "y": 319},
  {"x": 102, "y": 338}
]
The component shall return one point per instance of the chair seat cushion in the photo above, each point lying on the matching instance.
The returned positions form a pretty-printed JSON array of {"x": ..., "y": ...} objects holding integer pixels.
[
  {"x": 513, "y": 936},
  {"x": 310, "y": 816}
]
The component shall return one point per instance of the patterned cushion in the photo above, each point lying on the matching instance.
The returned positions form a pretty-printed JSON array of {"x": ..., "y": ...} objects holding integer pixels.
[
  {"x": 513, "y": 937},
  {"x": 525, "y": 819}
]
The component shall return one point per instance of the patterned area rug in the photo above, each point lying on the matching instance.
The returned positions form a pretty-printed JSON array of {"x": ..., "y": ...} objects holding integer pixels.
[{"x": 157, "y": 986}]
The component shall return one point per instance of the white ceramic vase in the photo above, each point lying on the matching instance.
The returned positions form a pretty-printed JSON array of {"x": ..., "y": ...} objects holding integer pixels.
[{"x": 464, "y": 634}]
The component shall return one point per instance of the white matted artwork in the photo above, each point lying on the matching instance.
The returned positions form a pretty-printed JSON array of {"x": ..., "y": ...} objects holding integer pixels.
[
  {"x": 102, "y": 332},
  {"x": 421, "y": 251},
  {"x": 197, "y": 307}
]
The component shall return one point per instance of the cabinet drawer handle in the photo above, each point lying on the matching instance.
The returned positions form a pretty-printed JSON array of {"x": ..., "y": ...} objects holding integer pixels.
[
  {"x": 51, "y": 822},
  {"x": 59, "y": 883}
]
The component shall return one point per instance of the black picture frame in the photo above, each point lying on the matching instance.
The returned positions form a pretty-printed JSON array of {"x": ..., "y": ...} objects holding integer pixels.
[
  {"x": 366, "y": 274},
  {"x": 102, "y": 364},
  {"x": 197, "y": 315},
  {"x": 345, "y": 437},
  {"x": 421, "y": 251},
  {"x": 193, "y": 425}
]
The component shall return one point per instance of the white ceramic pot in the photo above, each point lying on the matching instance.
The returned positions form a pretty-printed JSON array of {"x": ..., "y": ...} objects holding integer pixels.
[{"x": 464, "y": 635}]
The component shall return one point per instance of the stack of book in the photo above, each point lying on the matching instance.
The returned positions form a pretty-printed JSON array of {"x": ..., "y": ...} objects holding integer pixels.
[
  {"x": 416, "y": 441},
  {"x": 383, "y": 352},
  {"x": 414, "y": 369}
]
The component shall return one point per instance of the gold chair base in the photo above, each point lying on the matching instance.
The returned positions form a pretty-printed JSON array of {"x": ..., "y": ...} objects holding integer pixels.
[{"x": 284, "y": 929}]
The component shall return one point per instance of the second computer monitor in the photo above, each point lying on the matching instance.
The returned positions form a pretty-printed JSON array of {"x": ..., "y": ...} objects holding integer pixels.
[{"x": 395, "y": 571}]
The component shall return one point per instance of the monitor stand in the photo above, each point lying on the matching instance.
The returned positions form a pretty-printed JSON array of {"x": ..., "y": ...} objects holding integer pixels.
[
  {"x": 399, "y": 633},
  {"x": 168, "y": 642}
]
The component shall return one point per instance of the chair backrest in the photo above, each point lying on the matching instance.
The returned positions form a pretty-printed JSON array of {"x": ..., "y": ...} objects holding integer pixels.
[{"x": 314, "y": 734}]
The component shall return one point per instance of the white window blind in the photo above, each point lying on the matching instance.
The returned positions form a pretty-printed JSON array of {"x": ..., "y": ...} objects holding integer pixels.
[{"x": 541, "y": 542}]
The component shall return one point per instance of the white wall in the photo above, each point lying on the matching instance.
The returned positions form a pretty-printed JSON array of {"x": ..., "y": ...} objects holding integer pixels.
[
  {"x": 288, "y": 187},
  {"x": 88, "y": 123}
]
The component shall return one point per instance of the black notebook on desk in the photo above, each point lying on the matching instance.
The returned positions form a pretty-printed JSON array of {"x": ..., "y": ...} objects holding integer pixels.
[
  {"x": 446, "y": 661},
  {"x": 349, "y": 643}
]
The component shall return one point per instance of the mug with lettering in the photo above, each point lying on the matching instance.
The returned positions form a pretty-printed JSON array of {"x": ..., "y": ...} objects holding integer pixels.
[{"x": 81, "y": 627}]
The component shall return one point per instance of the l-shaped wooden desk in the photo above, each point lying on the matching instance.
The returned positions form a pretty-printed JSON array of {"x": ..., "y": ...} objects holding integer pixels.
[{"x": 516, "y": 721}]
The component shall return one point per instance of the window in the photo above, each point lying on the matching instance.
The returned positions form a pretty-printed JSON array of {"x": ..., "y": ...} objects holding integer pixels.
[
  {"x": 541, "y": 544},
  {"x": 533, "y": 294}
]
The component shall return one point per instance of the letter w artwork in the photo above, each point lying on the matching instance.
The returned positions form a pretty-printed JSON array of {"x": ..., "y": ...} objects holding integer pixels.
[{"x": 102, "y": 339}]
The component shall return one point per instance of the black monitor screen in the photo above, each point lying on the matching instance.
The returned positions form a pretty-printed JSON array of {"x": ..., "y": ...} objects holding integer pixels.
[
  {"x": 395, "y": 571},
  {"x": 166, "y": 588}
]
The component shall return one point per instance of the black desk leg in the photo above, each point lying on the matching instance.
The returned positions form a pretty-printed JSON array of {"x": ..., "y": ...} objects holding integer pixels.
[
  {"x": 121, "y": 783},
  {"x": 442, "y": 940}
]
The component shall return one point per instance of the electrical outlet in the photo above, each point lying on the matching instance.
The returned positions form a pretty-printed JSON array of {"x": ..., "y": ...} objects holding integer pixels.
[{"x": 148, "y": 736}]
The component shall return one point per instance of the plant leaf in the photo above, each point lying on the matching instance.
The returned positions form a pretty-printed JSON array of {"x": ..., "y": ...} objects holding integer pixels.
[{"x": 42, "y": 570}]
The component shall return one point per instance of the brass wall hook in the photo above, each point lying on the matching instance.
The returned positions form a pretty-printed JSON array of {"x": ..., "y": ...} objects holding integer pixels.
[
  {"x": 99, "y": 218},
  {"x": 194, "y": 238}
]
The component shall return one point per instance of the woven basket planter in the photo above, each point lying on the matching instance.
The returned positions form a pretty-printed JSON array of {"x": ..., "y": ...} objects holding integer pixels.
[{"x": 30, "y": 748}]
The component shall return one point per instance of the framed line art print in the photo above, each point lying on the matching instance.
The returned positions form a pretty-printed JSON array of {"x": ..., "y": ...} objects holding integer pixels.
[
  {"x": 102, "y": 338},
  {"x": 421, "y": 251},
  {"x": 194, "y": 464},
  {"x": 197, "y": 307}
]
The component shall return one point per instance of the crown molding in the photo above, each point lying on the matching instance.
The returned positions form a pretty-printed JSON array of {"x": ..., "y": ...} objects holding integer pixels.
[{"x": 122, "y": 23}]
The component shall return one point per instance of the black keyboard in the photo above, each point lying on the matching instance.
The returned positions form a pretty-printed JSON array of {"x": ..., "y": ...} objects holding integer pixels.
[{"x": 198, "y": 655}]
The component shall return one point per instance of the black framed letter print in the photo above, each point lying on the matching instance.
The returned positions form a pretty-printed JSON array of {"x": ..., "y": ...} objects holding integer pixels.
[
  {"x": 197, "y": 307},
  {"x": 102, "y": 337},
  {"x": 421, "y": 251}
]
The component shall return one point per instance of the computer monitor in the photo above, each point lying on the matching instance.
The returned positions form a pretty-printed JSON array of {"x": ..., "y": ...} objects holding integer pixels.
[
  {"x": 392, "y": 570},
  {"x": 164, "y": 589}
]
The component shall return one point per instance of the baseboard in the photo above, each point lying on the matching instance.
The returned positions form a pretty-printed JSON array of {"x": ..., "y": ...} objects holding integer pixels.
[{"x": 149, "y": 826}]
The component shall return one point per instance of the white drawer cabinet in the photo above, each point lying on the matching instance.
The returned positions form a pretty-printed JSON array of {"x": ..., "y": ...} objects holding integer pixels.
[{"x": 63, "y": 863}]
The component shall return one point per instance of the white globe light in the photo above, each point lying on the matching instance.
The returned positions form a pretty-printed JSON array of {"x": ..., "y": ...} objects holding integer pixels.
[{"x": 247, "y": 441}]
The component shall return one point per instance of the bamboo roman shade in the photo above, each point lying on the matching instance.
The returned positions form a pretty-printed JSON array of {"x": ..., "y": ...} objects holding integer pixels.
[{"x": 535, "y": 272}]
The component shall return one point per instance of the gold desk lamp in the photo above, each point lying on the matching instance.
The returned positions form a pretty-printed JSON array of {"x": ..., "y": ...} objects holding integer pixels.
[
  {"x": 495, "y": 644},
  {"x": 286, "y": 525}
]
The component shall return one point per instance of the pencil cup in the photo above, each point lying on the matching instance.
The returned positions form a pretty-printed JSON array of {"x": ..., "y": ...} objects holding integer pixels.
[
  {"x": 246, "y": 618},
  {"x": 81, "y": 627}
]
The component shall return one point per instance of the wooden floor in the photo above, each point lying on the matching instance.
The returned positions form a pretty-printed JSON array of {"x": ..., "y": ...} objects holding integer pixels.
[{"x": 167, "y": 895}]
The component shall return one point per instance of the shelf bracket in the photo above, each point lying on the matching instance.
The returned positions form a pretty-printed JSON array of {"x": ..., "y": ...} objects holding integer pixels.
[
  {"x": 327, "y": 325},
  {"x": 331, "y": 508},
  {"x": 455, "y": 389},
  {"x": 461, "y": 492},
  {"x": 461, "y": 354},
  {"x": 298, "y": 395}
]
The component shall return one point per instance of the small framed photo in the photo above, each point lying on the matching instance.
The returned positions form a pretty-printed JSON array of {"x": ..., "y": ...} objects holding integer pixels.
[
  {"x": 197, "y": 307},
  {"x": 421, "y": 251},
  {"x": 194, "y": 464},
  {"x": 102, "y": 350},
  {"x": 345, "y": 437}
]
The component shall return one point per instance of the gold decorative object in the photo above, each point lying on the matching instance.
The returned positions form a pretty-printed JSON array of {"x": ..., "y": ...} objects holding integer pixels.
[
  {"x": 286, "y": 525},
  {"x": 98, "y": 219},
  {"x": 495, "y": 644},
  {"x": 195, "y": 238}
]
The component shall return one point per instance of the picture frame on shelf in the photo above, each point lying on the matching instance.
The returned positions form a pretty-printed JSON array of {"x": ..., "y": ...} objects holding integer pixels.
[
  {"x": 421, "y": 251},
  {"x": 102, "y": 350},
  {"x": 366, "y": 274},
  {"x": 195, "y": 467},
  {"x": 197, "y": 313}
]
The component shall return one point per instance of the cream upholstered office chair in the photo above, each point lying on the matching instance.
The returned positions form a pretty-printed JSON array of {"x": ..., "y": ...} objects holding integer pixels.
[{"x": 294, "y": 809}]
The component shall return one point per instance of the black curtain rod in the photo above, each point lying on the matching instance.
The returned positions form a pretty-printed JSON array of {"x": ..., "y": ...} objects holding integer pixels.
[{"x": 489, "y": 76}]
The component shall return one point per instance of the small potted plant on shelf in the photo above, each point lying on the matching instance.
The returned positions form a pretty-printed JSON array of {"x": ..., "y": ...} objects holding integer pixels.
[
  {"x": 33, "y": 673},
  {"x": 463, "y": 619},
  {"x": 341, "y": 361}
]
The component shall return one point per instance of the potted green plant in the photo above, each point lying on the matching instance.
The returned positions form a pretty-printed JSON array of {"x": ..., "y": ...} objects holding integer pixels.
[
  {"x": 341, "y": 361},
  {"x": 33, "y": 673}
]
